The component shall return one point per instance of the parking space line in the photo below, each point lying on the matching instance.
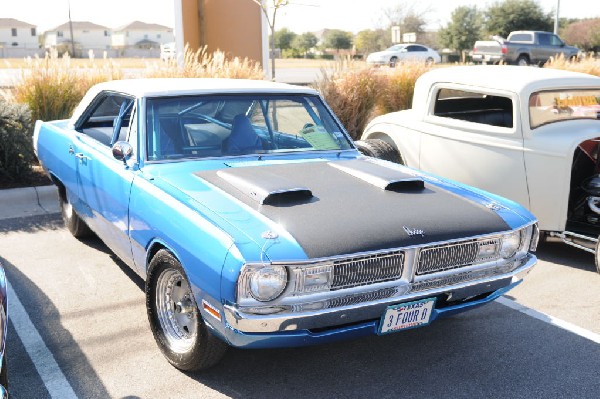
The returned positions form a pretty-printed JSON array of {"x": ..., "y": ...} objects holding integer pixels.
[
  {"x": 565, "y": 325},
  {"x": 45, "y": 364}
]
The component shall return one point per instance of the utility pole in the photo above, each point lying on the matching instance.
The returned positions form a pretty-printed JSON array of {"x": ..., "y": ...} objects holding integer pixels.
[
  {"x": 71, "y": 30},
  {"x": 556, "y": 17}
]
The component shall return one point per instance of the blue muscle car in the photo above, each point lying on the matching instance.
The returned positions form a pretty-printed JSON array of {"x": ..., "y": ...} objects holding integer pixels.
[{"x": 256, "y": 223}]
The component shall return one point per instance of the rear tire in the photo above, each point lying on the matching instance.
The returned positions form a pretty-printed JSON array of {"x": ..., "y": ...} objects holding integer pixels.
[
  {"x": 72, "y": 221},
  {"x": 523, "y": 60},
  {"x": 176, "y": 323},
  {"x": 378, "y": 148},
  {"x": 393, "y": 62}
]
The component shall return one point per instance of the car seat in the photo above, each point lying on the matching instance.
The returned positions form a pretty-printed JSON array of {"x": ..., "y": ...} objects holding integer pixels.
[{"x": 243, "y": 139}]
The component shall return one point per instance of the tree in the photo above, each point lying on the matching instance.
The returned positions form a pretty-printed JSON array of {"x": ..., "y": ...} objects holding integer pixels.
[
  {"x": 510, "y": 15},
  {"x": 584, "y": 34},
  {"x": 337, "y": 39},
  {"x": 408, "y": 16},
  {"x": 284, "y": 38},
  {"x": 304, "y": 42},
  {"x": 275, "y": 6},
  {"x": 463, "y": 29},
  {"x": 368, "y": 41}
]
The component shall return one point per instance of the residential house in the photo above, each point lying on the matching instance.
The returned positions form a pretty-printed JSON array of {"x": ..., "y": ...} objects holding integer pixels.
[
  {"x": 139, "y": 35},
  {"x": 17, "y": 38},
  {"x": 86, "y": 36}
]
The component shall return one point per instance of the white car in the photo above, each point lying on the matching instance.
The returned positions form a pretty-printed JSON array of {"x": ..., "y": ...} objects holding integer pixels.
[
  {"x": 528, "y": 134},
  {"x": 404, "y": 52}
]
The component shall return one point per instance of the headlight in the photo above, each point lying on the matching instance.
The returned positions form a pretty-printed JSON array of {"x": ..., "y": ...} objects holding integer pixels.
[
  {"x": 510, "y": 244},
  {"x": 268, "y": 282}
]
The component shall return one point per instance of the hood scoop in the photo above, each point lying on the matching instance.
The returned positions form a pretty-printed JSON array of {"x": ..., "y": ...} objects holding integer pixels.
[
  {"x": 266, "y": 188},
  {"x": 380, "y": 176}
]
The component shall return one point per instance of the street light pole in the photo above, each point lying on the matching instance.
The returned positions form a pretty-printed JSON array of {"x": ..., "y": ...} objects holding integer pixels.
[
  {"x": 556, "y": 17},
  {"x": 71, "y": 30}
]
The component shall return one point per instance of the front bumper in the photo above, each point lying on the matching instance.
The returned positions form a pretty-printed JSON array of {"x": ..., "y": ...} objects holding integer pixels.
[{"x": 320, "y": 326}]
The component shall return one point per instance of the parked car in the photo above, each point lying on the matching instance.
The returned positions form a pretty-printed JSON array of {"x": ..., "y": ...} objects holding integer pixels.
[
  {"x": 528, "y": 134},
  {"x": 256, "y": 223},
  {"x": 3, "y": 331},
  {"x": 522, "y": 48},
  {"x": 404, "y": 52}
]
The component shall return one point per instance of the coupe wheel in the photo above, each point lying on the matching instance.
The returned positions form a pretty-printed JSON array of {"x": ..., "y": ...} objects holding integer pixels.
[
  {"x": 597, "y": 255},
  {"x": 72, "y": 221},
  {"x": 176, "y": 323},
  {"x": 393, "y": 62}
]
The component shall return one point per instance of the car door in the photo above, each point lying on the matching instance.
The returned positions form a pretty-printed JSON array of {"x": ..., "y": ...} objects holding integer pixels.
[
  {"x": 474, "y": 138},
  {"x": 104, "y": 183}
]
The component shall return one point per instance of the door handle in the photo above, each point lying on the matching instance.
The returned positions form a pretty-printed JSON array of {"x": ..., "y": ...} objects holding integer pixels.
[
  {"x": 82, "y": 157},
  {"x": 71, "y": 150}
]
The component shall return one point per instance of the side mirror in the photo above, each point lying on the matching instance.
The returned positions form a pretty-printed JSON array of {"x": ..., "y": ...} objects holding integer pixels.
[{"x": 122, "y": 151}]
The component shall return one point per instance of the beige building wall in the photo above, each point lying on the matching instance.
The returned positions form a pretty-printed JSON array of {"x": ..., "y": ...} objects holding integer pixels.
[{"x": 232, "y": 26}]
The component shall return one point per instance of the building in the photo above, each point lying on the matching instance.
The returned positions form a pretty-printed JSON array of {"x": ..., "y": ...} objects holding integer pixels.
[
  {"x": 17, "y": 38},
  {"x": 141, "y": 35},
  {"x": 238, "y": 28},
  {"x": 86, "y": 36}
]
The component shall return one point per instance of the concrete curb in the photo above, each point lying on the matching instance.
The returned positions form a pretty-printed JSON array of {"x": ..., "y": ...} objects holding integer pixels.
[{"x": 28, "y": 201}]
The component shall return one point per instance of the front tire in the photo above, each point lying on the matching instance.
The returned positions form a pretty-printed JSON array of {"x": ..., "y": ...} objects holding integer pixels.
[
  {"x": 175, "y": 320},
  {"x": 378, "y": 148},
  {"x": 72, "y": 221},
  {"x": 597, "y": 256}
]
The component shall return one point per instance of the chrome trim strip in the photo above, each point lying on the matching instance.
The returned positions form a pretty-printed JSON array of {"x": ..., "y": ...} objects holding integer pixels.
[{"x": 290, "y": 321}]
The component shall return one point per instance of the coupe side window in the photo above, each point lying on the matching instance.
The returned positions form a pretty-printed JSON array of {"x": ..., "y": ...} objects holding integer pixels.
[
  {"x": 109, "y": 111},
  {"x": 474, "y": 107}
]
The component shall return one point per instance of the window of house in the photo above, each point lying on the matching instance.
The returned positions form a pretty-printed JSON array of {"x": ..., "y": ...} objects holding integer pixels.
[
  {"x": 105, "y": 33},
  {"x": 13, "y": 31},
  {"x": 59, "y": 34},
  {"x": 474, "y": 107},
  {"x": 158, "y": 35},
  {"x": 145, "y": 36},
  {"x": 33, "y": 33},
  {"x": 86, "y": 31}
]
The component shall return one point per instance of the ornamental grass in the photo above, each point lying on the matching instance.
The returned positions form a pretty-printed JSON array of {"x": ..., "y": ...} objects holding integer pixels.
[
  {"x": 587, "y": 64},
  {"x": 52, "y": 87},
  {"x": 202, "y": 64}
]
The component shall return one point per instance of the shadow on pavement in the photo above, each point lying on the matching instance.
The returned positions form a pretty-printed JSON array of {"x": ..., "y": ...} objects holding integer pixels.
[
  {"x": 563, "y": 254},
  {"x": 31, "y": 224},
  {"x": 80, "y": 375}
]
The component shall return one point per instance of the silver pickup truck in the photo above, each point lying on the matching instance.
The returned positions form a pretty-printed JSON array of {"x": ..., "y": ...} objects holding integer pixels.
[{"x": 522, "y": 48}]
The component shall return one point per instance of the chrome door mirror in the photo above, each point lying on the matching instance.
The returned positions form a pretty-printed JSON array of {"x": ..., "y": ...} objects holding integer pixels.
[{"x": 122, "y": 151}]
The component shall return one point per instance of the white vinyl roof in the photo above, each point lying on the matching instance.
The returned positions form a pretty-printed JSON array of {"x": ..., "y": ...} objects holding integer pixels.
[{"x": 185, "y": 86}]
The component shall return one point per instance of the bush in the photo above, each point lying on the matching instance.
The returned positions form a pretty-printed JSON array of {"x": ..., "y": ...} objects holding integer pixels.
[
  {"x": 52, "y": 87},
  {"x": 399, "y": 87},
  {"x": 16, "y": 150},
  {"x": 200, "y": 64},
  {"x": 588, "y": 64},
  {"x": 351, "y": 94},
  {"x": 358, "y": 95}
]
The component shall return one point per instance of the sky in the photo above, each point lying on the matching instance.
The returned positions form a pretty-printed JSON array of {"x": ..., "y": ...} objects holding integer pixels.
[{"x": 300, "y": 16}]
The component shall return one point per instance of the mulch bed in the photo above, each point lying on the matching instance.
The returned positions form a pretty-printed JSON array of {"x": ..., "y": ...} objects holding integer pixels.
[{"x": 37, "y": 178}]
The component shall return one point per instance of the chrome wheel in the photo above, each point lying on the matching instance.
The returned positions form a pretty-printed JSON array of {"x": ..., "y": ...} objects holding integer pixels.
[{"x": 176, "y": 310}]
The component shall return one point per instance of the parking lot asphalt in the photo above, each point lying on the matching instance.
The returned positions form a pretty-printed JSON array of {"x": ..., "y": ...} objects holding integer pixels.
[{"x": 78, "y": 328}]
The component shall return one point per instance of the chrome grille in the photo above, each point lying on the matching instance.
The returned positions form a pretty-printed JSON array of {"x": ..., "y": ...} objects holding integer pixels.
[
  {"x": 452, "y": 256},
  {"x": 363, "y": 297},
  {"x": 367, "y": 269}
]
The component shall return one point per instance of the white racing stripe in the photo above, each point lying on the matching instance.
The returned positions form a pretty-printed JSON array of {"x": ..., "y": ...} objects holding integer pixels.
[
  {"x": 45, "y": 364},
  {"x": 565, "y": 325}
]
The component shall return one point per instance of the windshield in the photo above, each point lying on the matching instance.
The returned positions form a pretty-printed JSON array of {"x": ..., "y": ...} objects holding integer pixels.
[
  {"x": 553, "y": 106},
  {"x": 215, "y": 126},
  {"x": 397, "y": 47}
]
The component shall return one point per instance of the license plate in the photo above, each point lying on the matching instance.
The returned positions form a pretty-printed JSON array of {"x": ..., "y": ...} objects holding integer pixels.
[
  {"x": 407, "y": 315},
  {"x": 487, "y": 57}
]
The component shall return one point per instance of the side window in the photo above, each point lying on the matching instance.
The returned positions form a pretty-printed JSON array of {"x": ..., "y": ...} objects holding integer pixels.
[
  {"x": 419, "y": 48},
  {"x": 544, "y": 39},
  {"x": 555, "y": 40},
  {"x": 474, "y": 107},
  {"x": 109, "y": 111}
]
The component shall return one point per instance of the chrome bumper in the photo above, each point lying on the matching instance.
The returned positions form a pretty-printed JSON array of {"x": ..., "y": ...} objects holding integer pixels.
[{"x": 291, "y": 320}]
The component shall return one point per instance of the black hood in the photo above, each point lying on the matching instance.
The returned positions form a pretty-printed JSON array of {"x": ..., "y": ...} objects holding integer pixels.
[{"x": 351, "y": 206}]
